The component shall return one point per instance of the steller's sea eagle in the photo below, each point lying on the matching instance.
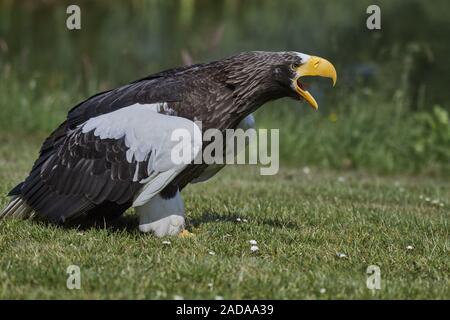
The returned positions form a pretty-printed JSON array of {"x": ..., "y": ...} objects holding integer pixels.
[{"x": 113, "y": 150}]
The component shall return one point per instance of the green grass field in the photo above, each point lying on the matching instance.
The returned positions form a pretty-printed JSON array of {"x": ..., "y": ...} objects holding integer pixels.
[{"x": 301, "y": 222}]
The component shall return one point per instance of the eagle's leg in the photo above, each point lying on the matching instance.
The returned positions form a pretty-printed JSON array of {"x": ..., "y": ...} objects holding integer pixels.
[{"x": 163, "y": 217}]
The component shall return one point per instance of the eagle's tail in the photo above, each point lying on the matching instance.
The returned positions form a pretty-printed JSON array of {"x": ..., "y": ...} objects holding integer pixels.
[{"x": 17, "y": 208}]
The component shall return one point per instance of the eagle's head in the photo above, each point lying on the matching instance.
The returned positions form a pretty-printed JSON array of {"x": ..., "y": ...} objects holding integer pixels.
[
  {"x": 297, "y": 65},
  {"x": 274, "y": 75}
]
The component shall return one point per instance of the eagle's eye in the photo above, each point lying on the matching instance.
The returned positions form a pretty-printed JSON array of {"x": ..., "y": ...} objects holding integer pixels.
[{"x": 294, "y": 66}]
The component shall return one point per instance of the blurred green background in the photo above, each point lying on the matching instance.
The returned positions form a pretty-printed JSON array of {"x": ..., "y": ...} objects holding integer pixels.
[{"x": 389, "y": 112}]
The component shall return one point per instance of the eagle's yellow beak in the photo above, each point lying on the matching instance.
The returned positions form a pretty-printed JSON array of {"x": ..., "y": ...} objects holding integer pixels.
[{"x": 314, "y": 66}]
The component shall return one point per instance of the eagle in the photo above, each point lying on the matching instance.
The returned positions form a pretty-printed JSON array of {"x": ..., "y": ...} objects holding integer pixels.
[{"x": 113, "y": 151}]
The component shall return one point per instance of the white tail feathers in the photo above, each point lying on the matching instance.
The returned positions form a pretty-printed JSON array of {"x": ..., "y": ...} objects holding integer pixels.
[{"x": 17, "y": 208}]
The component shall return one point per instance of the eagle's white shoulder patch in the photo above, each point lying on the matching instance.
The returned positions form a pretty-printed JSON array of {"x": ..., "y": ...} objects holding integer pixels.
[
  {"x": 148, "y": 136},
  {"x": 144, "y": 129}
]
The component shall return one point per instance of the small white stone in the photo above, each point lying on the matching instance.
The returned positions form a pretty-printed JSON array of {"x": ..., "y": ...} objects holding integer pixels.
[
  {"x": 167, "y": 243},
  {"x": 212, "y": 253},
  {"x": 218, "y": 298},
  {"x": 244, "y": 220},
  {"x": 306, "y": 170},
  {"x": 177, "y": 297},
  {"x": 210, "y": 285},
  {"x": 441, "y": 204},
  {"x": 427, "y": 199},
  {"x": 254, "y": 248},
  {"x": 409, "y": 247},
  {"x": 238, "y": 219},
  {"x": 436, "y": 201},
  {"x": 253, "y": 242},
  {"x": 341, "y": 179},
  {"x": 421, "y": 197},
  {"x": 322, "y": 290},
  {"x": 341, "y": 255}
]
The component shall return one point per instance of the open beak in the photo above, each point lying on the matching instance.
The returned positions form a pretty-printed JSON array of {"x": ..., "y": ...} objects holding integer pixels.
[{"x": 314, "y": 66}]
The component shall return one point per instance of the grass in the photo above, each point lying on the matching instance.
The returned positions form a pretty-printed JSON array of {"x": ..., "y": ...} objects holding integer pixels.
[
  {"x": 365, "y": 133},
  {"x": 300, "y": 221}
]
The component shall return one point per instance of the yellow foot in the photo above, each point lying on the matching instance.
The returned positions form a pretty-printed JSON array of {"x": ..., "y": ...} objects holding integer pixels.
[{"x": 185, "y": 234}]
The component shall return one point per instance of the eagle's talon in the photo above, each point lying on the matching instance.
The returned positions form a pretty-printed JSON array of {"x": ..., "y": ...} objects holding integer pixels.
[{"x": 185, "y": 234}]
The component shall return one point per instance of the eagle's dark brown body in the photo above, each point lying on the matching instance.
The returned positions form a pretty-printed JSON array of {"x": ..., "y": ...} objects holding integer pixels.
[{"x": 78, "y": 173}]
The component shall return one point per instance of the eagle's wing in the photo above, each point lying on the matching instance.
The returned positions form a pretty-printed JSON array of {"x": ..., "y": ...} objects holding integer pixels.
[
  {"x": 211, "y": 170},
  {"x": 118, "y": 157}
]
